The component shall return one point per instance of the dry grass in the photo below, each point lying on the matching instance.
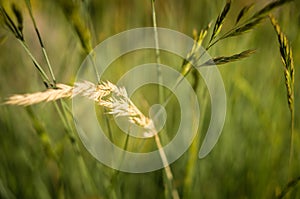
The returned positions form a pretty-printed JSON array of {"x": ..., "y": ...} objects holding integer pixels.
[
  {"x": 117, "y": 104},
  {"x": 62, "y": 91}
]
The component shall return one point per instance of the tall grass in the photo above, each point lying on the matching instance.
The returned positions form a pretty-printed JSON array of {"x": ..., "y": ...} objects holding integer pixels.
[{"x": 244, "y": 164}]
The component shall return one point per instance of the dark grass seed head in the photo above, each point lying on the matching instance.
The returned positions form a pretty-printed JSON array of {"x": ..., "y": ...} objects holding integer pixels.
[{"x": 220, "y": 20}]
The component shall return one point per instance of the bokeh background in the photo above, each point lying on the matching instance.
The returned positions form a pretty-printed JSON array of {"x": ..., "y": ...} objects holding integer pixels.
[{"x": 251, "y": 158}]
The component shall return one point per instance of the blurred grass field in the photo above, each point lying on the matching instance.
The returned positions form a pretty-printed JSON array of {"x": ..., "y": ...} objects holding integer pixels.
[{"x": 251, "y": 158}]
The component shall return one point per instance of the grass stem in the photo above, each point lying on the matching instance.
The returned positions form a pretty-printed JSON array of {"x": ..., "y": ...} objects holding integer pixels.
[
  {"x": 161, "y": 98},
  {"x": 291, "y": 144},
  {"x": 167, "y": 167},
  {"x": 157, "y": 53},
  {"x": 37, "y": 65},
  {"x": 28, "y": 5}
]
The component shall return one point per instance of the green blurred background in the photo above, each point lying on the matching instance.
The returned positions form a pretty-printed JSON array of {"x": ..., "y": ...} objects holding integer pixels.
[{"x": 251, "y": 158}]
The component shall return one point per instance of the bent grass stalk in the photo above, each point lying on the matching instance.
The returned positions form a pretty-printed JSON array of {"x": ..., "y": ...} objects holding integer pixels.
[{"x": 289, "y": 73}]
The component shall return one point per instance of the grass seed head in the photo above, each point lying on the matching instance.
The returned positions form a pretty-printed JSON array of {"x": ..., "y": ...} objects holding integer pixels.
[{"x": 288, "y": 62}]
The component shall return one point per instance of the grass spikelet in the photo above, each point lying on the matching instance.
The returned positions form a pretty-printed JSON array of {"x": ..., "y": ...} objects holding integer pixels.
[
  {"x": 198, "y": 40},
  {"x": 232, "y": 58},
  {"x": 245, "y": 28},
  {"x": 19, "y": 17},
  {"x": 243, "y": 12},
  {"x": 256, "y": 18},
  {"x": 194, "y": 54},
  {"x": 287, "y": 59},
  {"x": 220, "y": 20},
  {"x": 249, "y": 23},
  {"x": 92, "y": 91},
  {"x": 86, "y": 89},
  {"x": 10, "y": 24},
  {"x": 202, "y": 35},
  {"x": 72, "y": 12},
  {"x": 62, "y": 91},
  {"x": 269, "y": 7}
]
